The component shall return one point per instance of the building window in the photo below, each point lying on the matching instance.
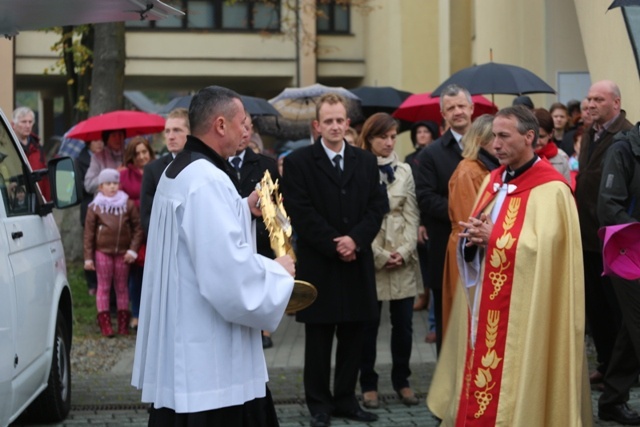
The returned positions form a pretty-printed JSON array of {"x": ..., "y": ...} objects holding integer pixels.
[
  {"x": 237, "y": 15},
  {"x": 632, "y": 19},
  {"x": 333, "y": 17}
]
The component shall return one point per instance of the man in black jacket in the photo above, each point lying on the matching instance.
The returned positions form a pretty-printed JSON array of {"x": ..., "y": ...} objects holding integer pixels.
[
  {"x": 176, "y": 129},
  {"x": 618, "y": 204},
  {"x": 436, "y": 164},
  {"x": 332, "y": 192},
  {"x": 250, "y": 168}
]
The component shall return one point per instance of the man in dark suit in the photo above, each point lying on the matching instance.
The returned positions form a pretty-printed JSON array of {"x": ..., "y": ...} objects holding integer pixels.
[
  {"x": 436, "y": 164},
  {"x": 249, "y": 168},
  {"x": 176, "y": 129},
  {"x": 333, "y": 195},
  {"x": 602, "y": 309}
]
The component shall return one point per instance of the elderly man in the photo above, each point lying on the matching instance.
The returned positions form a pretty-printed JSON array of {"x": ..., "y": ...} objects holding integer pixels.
[
  {"x": 22, "y": 123},
  {"x": 176, "y": 129},
  {"x": 435, "y": 165},
  {"x": 515, "y": 355},
  {"x": 206, "y": 293},
  {"x": 603, "y": 312}
]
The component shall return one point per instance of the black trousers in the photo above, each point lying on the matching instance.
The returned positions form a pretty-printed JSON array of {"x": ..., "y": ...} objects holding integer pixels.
[
  {"x": 401, "y": 312},
  {"x": 624, "y": 366},
  {"x": 255, "y": 413},
  {"x": 317, "y": 366},
  {"x": 602, "y": 309}
]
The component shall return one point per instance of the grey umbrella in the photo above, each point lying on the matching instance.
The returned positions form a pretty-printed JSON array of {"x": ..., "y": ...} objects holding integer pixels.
[{"x": 495, "y": 78}]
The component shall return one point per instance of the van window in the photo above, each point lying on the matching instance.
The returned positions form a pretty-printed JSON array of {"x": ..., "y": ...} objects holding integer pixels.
[{"x": 17, "y": 196}]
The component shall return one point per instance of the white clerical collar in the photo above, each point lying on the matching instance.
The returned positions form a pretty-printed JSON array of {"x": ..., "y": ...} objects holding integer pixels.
[
  {"x": 330, "y": 153},
  {"x": 458, "y": 137}
]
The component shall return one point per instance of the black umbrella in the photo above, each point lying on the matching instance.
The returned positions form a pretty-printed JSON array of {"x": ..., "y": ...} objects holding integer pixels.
[
  {"x": 624, "y": 3},
  {"x": 379, "y": 99},
  {"x": 496, "y": 78},
  {"x": 254, "y": 106}
]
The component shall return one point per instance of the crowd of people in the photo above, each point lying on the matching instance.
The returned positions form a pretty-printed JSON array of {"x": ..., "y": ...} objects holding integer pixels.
[{"x": 492, "y": 223}]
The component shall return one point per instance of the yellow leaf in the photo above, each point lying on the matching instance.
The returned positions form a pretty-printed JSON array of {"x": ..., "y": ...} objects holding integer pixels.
[
  {"x": 495, "y": 259},
  {"x": 503, "y": 256},
  {"x": 481, "y": 380},
  {"x": 510, "y": 242},
  {"x": 487, "y": 359},
  {"x": 502, "y": 241}
]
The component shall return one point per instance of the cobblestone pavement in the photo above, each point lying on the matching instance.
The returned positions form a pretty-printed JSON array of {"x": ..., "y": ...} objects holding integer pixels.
[{"x": 102, "y": 398}]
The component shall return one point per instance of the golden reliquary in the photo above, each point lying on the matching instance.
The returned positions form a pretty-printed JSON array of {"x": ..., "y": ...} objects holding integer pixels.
[{"x": 279, "y": 226}]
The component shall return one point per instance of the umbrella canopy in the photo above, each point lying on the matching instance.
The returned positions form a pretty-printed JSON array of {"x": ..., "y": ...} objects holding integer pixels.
[
  {"x": 132, "y": 122},
  {"x": 422, "y": 106},
  {"x": 621, "y": 250},
  {"x": 383, "y": 99},
  {"x": 300, "y": 103},
  {"x": 624, "y": 3},
  {"x": 254, "y": 106},
  {"x": 496, "y": 79}
]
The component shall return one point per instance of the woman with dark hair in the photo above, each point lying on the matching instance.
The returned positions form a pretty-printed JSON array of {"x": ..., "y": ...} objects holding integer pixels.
[
  {"x": 547, "y": 150},
  {"x": 396, "y": 261},
  {"x": 137, "y": 154},
  {"x": 422, "y": 134}
]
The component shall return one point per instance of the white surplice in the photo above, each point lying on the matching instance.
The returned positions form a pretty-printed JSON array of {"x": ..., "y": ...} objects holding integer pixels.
[{"x": 206, "y": 295}]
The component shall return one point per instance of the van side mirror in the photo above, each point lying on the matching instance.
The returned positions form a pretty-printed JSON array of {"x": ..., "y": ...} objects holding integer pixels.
[{"x": 65, "y": 188}]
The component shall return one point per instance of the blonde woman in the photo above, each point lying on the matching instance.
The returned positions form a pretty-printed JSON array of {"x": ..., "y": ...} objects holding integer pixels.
[{"x": 478, "y": 160}]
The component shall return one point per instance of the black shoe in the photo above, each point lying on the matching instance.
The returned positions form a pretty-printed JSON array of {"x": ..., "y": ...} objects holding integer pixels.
[
  {"x": 320, "y": 419},
  {"x": 357, "y": 415},
  {"x": 266, "y": 342},
  {"x": 620, "y": 413}
]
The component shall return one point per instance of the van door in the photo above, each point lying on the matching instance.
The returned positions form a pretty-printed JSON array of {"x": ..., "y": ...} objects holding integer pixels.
[
  {"x": 7, "y": 331},
  {"x": 30, "y": 240}
]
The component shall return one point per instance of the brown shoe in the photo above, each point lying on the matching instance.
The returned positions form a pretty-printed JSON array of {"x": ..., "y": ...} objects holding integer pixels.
[
  {"x": 407, "y": 396},
  {"x": 370, "y": 399},
  {"x": 422, "y": 302}
]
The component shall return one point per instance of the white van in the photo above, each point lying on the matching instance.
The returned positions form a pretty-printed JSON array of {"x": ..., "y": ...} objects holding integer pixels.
[{"x": 35, "y": 299}]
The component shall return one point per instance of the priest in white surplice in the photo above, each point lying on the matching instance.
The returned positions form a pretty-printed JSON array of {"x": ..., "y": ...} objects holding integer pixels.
[{"x": 206, "y": 293}]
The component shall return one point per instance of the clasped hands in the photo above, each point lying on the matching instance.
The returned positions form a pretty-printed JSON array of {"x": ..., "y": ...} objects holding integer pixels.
[
  {"x": 476, "y": 230},
  {"x": 346, "y": 248}
]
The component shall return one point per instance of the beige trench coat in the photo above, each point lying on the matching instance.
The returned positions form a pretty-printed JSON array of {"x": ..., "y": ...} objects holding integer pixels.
[{"x": 399, "y": 233}]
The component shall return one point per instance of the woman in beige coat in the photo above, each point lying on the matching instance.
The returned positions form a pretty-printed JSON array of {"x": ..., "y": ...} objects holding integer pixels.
[{"x": 396, "y": 261}]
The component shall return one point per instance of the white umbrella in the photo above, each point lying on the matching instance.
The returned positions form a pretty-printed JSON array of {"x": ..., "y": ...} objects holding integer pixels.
[{"x": 300, "y": 103}]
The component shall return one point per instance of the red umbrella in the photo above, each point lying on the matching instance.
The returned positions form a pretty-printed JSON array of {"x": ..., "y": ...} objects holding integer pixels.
[
  {"x": 422, "y": 107},
  {"x": 621, "y": 250},
  {"x": 132, "y": 122}
]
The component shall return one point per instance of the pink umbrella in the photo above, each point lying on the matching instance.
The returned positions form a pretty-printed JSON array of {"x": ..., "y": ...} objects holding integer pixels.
[
  {"x": 422, "y": 107},
  {"x": 621, "y": 250}
]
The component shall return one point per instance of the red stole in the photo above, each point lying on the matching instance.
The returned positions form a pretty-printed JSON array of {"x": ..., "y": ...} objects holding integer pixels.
[{"x": 483, "y": 368}]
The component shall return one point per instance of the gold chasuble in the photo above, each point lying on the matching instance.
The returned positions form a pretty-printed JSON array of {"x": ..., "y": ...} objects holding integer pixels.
[{"x": 514, "y": 352}]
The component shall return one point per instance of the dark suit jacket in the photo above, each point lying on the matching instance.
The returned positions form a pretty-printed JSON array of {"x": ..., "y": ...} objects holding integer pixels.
[
  {"x": 82, "y": 163},
  {"x": 435, "y": 165},
  {"x": 323, "y": 206},
  {"x": 591, "y": 161},
  {"x": 251, "y": 172},
  {"x": 150, "y": 178}
]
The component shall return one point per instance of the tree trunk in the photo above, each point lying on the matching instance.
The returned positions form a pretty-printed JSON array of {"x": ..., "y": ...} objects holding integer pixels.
[{"x": 107, "y": 82}]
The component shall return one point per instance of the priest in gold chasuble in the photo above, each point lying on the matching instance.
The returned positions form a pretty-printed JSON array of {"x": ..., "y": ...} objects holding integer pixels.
[{"x": 515, "y": 355}]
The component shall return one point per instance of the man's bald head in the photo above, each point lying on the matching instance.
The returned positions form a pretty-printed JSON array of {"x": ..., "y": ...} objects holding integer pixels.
[{"x": 604, "y": 101}]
